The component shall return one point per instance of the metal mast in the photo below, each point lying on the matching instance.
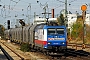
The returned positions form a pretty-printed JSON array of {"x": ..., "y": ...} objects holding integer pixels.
[
  {"x": 66, "y": 20},
  {"x": 29, "y": 13}
]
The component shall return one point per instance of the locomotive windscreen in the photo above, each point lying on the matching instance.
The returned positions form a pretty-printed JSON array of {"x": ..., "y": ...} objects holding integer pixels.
[
  {"x": 60, "y": 31},
  {"x": 56, "y": 31},
  {"x": 51, "y": 31}
]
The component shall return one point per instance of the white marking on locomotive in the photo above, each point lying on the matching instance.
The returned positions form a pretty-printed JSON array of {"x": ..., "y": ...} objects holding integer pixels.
[{"x": 45, "y": 35}]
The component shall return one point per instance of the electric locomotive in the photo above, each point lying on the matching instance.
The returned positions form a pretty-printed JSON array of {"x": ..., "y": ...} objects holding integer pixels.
[
  {"x": 41, "y": 36},
  {"x": 51, "y": 37}
]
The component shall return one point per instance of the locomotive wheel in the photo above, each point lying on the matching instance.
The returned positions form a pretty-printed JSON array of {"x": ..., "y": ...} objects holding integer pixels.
[{"x": 46, "y": 53}]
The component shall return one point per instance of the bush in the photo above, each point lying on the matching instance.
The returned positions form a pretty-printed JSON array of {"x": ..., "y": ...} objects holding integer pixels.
[{"x": 25, "y": 47}]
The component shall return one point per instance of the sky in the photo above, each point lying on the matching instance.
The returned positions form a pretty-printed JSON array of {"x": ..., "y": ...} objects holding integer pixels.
[{"x": 24, "y": 9}]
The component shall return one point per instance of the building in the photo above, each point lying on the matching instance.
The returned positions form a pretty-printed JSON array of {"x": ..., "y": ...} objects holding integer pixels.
[
  {"x": 87, "y": 20},
  {"x": 71, "y": 19}
]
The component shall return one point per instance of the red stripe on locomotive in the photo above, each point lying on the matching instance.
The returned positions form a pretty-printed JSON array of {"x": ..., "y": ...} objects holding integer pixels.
[{"x": 41, "y": 42}]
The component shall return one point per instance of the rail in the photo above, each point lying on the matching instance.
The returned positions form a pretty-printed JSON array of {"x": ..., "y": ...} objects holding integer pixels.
[
  {"x": 13, "y": 52},
  {"x": 79, "y": 45},
  {"x": 6, "y": 54}
]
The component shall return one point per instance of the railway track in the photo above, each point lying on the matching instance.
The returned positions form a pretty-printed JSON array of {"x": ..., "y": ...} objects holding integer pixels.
[
  {"x": 82, "y": 51},
  {"x": 6, "y": 54},
  {"x": 11, "y": 55},
  {"x": 70, "y": 54},
  {"x": 79, "y": 45},
  {"x": 23, "y": 55}
]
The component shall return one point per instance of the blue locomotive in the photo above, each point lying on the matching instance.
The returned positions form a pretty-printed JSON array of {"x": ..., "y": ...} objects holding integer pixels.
[
  {"x": 40, "y": 36},
  {"x": 56, "y": 37}
]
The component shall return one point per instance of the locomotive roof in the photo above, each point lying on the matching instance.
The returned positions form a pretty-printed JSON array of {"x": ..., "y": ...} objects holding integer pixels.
[
  {"x": 37, "y": 26},
  {"x": 45, "y": 27}
]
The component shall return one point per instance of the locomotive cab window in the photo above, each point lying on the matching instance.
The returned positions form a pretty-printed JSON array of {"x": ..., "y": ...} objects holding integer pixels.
[
  {"x": 51, "y": 31},
  {"x": 60, "y": 31}
]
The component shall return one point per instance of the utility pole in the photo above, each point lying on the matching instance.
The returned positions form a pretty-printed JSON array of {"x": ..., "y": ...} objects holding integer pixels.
[
  {"x": 47, "y": 17},
  {"x": 66, "y": 20},
  {"x": 29, "y": 13},
  {"x": 34, "y": 17},
  {"x": 45, "y": 12}
]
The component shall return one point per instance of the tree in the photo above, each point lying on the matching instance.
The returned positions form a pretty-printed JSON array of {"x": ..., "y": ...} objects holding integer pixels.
[
  {"x": 77, "y": 28},
  {"x": 61, "y": 20},
  {"x": 2, "y": 28}
]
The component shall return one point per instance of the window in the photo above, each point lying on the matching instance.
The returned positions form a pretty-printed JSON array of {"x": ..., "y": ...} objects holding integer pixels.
[
  {"x": 56, "y": 31},
  {"x": 51, "y": 31},
  {"x": 60, "y": 31}
]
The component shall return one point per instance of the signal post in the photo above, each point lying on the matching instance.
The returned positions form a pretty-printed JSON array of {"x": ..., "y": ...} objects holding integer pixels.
[{"x": 83, "y": 8}]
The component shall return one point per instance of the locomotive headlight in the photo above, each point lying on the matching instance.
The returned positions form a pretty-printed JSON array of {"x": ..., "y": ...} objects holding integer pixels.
[
  {"x": 49, "y": 43},
  {"x": 63, "y": 43}
]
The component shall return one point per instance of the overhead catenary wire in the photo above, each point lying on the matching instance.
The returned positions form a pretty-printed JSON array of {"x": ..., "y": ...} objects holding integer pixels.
[
  {"x": 13, "y": 4},
  {"x": 16, "y": 2}
]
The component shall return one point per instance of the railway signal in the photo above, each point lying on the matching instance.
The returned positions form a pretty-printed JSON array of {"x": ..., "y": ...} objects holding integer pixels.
[
  {"x": 83, "y": 8},
  {"x": 8, "y": 24}
]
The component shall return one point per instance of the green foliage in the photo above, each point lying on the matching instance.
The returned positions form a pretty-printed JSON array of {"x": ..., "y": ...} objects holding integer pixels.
[
  {"x": 76, "y": 30},
  {"x": 2, "y": 28},
  {"x": 61, "y": 20},
  {"x": 87, "y": 34},
  {"x": 25, "y": 47}
]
